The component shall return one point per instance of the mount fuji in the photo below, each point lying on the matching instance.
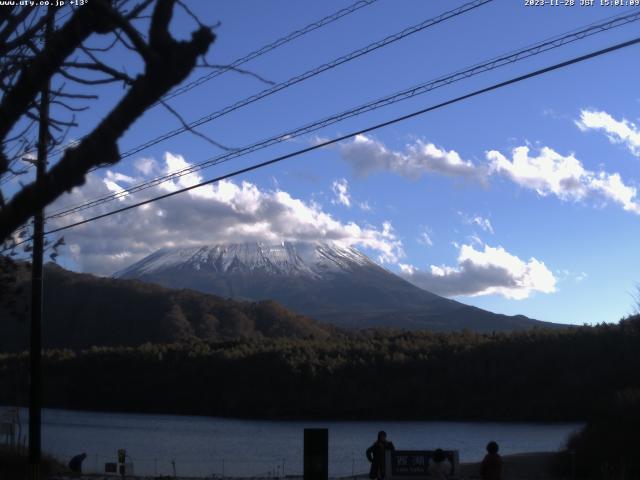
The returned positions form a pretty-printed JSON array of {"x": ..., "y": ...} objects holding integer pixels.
[{"x": 322, "y": 280}]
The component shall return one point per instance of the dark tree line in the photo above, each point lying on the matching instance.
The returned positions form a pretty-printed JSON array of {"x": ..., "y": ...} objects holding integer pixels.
[
  {"x": 537, "y": 375},
  {"x": 577, "y": 374}
]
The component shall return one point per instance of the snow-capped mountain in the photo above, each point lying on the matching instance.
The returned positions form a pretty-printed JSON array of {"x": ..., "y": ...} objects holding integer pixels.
[
  {"x": 311, "y": 260},
  {"x": 323, "y": 280}
]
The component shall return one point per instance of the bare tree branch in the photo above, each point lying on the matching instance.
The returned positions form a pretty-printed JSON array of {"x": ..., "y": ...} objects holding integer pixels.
[
  {"x": 27, "y": 34},
  {"x": 104, "y": 49},
  {"x": 237, "y": 70},
  {"x": 13, "y": 21},
  {"x": 116, "y": 75},
  {"x": 87, "y": 81},
  {"x": 62, "y": 43},
  {"x": 69, "y": 107},
  {"x": 138, "y": 9},
  {"x": 138, "y": 43},
  {"x": 167, "y": 63},
  {"x": 189, "y": 128},
  {"x": 76, "y": 96}
]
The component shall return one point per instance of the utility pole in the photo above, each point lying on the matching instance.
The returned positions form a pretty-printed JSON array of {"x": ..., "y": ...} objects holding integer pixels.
[{"x": 35, "y": 347}]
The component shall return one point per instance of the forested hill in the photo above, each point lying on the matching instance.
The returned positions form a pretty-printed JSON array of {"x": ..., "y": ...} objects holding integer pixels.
[
  {"x": 81, "y": 310},
  {"x": 558, "y": 375}
]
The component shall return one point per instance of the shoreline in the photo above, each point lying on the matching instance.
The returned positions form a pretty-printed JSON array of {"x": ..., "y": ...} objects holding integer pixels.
[
  {"x": 517, "y": 466},
  {"x": 294, "y": 418},
  {"x": 520, "y": 466}
]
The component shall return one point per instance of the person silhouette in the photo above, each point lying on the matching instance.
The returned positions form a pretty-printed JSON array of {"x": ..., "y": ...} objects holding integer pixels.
[
  {"x": 491, "y": 466},
  {"x": 439, "y": 466},
  {"x": 376, "y": 455},
  {"x": 75, "y": 465}
]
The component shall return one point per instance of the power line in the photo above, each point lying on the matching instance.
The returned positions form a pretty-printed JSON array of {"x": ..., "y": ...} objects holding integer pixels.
[
  {"x": 306, "y": 75},
  {"x": 496, "y": 62},
  {"x": 310, "y": 73},
  {"x": 256, "y": 53},
  {"x": 239, "y": 61},
  {"x": 271, "y": 46},
  {"x": 475, "y": 93}
]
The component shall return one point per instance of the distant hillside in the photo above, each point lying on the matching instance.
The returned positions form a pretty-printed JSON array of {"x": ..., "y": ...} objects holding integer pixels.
[
  {"x": 323, "y": 280},
  {"x": 83, "y": 310}
]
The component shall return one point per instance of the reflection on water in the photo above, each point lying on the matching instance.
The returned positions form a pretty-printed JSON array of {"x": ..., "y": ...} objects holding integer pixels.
[{"x": 206, "y": 446}]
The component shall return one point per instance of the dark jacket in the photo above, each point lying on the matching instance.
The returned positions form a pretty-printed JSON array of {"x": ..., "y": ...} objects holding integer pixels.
[
  {"x": 376, "y": 455},
  {"x": 491, "y": 467},
  {"x": 75, "y": 465}
]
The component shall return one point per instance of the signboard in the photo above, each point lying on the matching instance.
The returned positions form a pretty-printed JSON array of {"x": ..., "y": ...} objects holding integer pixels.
[
  {"x": 128, "y": 469},
  {"x": 10, "y": 415},
  {"x": 7, "y": 429},
  {"x": 414, "y": 464},
  {"x": 8, "y": 433},
  {"x": 316, "y": 454}
]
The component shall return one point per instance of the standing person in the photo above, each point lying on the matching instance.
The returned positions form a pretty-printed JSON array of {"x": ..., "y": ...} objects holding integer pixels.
[
  {"x": 491, "y": 467},
  {"x": 439, "y": 466},
  {"x": 75, "y": 465},
  {"x": 376, "y": 454}
]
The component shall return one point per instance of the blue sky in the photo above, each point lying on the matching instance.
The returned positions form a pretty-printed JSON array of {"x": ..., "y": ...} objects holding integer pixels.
[{"x": 440, "y": 198}]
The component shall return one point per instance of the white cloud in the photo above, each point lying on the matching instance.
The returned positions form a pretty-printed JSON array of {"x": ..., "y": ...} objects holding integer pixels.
[
  {"x": 581, "y": 277},
  {"x": 477, "y": 220},
  {"x": 484, "y": 272},
  {"x": 548, "y": 173},
  {"x": 340, "y": 189},
  {"x": 146, "y": 166},
  {"x": 407, "y": 269},
  {"x": 217, "y": 213},
  {"x": 618, "y": 131},
  {"x": 562, "y": 176},
  {"x": 563, "y": 275},
  {"x": 364, "y": 206},
  {"x": 425, "y": 237},
  {"x": 367, "y": 155},
  {"x": 476, "y": 239},
  {"x": 318, "y": 140}
]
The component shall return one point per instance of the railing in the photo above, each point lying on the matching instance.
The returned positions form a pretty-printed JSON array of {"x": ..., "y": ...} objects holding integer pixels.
[
  {"x": 11, "y": 428},
  {"x": 218, "y": 468}
]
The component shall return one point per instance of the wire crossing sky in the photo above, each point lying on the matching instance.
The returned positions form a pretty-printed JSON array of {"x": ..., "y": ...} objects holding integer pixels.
[
  {"x": 312, "y": 73},
  {"x": 497, "y": 62},
  {"x": 354, "y": 134},
  {"x": 521, "y": 201},
  {"x": 246, "y": 58}
]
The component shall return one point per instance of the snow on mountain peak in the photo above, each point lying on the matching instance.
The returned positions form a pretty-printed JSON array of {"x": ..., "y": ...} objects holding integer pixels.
[{"x": 283, "y": 258}]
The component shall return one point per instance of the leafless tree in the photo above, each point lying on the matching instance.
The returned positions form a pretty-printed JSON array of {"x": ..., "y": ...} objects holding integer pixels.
[{"x": 77, "y": 56}]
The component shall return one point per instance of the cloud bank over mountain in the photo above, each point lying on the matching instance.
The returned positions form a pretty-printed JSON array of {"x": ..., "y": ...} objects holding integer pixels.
[{"x": 227, "y": 211}]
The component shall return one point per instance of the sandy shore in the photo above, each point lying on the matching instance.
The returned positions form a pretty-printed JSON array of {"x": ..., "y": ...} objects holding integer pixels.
[{"x": 524, "y": 466}]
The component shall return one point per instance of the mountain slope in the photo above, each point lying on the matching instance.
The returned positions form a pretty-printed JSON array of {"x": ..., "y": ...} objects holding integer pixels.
[
  {"x": 325, "y": 281},
  {"x": 82, "y": 310}
]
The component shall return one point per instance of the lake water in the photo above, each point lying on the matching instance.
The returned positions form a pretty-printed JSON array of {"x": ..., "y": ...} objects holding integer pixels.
[{"x": 207, "y": 446}]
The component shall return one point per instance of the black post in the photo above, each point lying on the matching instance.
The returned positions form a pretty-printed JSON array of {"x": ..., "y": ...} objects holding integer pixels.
[
  {"x": 316, "y": 454},
  {"x": 35, "y": 348}
]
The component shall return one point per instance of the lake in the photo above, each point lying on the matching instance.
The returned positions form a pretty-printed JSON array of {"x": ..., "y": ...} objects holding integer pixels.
[{"x": 208, "y": 446}]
